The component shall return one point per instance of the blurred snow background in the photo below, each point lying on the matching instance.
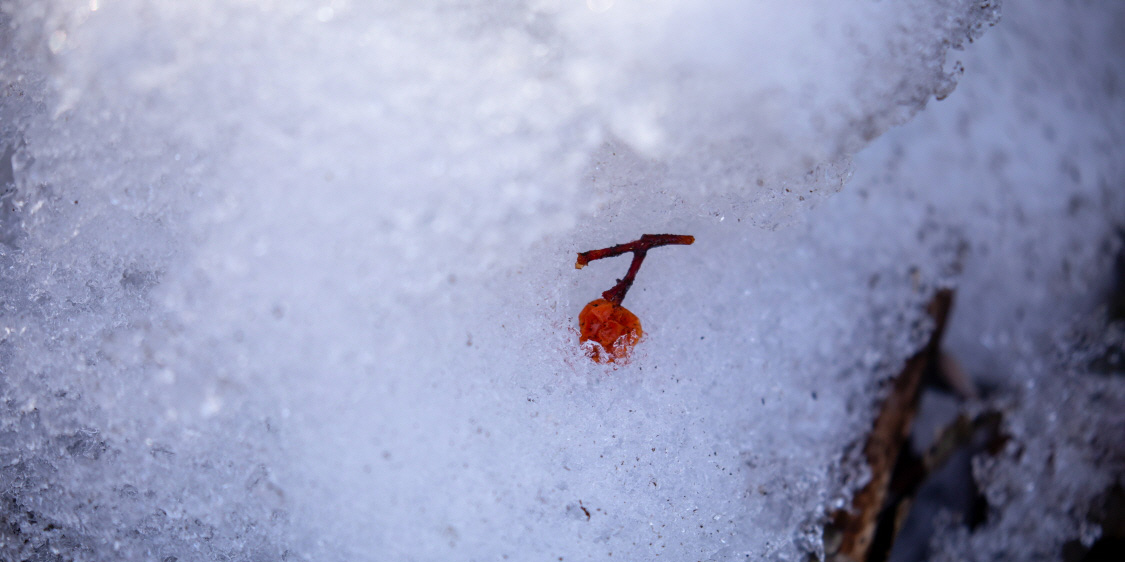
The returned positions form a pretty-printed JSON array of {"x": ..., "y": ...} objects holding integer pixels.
[{"x": 294, "y": 280}]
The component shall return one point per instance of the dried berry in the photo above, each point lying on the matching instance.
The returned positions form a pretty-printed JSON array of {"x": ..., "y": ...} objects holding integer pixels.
[
  {"x": 612, "y": 327},
  {"x": 604, "y": 321}
]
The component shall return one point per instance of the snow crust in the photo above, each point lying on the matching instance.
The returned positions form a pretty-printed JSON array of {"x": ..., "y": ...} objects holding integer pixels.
[{"x": 293, "y": 280}]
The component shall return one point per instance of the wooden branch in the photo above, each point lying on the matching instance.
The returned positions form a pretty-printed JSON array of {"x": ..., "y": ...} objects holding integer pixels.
[
  {"x": 639, "y": 248},
  {"x": 888, "y": 434}
]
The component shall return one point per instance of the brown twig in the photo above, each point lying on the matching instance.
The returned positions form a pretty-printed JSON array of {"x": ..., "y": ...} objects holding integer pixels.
[
  {"x": 639, "y": 248},
  {"x": 891, "y": 428}
]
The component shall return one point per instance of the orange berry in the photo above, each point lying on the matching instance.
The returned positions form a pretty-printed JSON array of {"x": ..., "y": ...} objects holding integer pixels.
[{"x": 612, "y": 326}]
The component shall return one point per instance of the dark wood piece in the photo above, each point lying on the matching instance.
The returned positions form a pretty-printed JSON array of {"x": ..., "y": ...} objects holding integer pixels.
[{"x": 890, "y": 431}]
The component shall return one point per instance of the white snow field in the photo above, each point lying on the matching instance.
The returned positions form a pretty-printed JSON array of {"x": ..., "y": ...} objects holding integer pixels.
[{"x": 294, "y": 279}]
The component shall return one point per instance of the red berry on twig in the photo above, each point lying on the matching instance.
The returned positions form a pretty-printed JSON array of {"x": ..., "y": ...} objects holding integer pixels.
[{"x": 604, "y": 321}]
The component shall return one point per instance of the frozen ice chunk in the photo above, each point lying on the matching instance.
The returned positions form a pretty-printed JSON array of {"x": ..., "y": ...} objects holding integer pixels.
[{"x": 294, "y": 279}]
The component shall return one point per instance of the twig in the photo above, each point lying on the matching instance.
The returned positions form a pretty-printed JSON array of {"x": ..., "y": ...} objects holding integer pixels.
[
  {"x": 891, "y": 428},
  {"x": 639, "y": 248}
]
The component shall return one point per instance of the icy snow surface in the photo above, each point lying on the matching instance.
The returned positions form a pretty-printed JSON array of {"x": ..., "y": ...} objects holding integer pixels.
[{"x": 294, "y": 280}]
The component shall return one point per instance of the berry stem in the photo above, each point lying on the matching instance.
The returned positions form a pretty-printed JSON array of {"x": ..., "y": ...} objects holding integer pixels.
[{"x": 639, "y": 248}]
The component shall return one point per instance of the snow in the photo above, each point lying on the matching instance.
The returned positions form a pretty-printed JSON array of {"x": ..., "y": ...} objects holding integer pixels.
[{"x": 294, "y": 280}]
